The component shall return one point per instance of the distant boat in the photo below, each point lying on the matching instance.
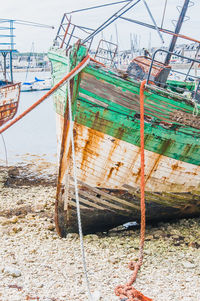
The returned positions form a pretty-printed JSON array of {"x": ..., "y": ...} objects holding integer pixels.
[{"x": 36, "y": 85}]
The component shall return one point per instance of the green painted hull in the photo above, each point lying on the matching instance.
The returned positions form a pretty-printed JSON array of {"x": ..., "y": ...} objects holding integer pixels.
[
  {"x": 181, "y": 86},
  {"x": 106, "y": 115},
  {"x": 170, "y": 127}
]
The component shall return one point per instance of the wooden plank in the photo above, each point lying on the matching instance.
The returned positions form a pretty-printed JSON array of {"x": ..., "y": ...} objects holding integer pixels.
[
  {"x": 86, "y": 202},
  {"x": 93, "y": 100},
  {"x": 110, "y": 197}
]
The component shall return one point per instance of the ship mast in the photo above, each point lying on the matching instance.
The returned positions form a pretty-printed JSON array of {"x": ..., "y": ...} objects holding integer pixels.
[{"x": 177, "y": 30}]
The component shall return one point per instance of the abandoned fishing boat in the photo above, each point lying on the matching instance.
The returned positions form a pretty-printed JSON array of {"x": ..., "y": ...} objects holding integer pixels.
[
  {"x": 106, "y": 130},
  {"x": 9, "y": 91}
]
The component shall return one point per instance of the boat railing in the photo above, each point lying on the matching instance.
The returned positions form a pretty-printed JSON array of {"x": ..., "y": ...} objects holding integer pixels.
[
  {"x": 68, "y": 33},
  {"x": 186, "y": 76},
  {"x": 106, "y": 52}
]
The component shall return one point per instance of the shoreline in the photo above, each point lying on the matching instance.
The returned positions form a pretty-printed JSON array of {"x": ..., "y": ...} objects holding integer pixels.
[
  {"x": 37, "y": 263},
  {"x": 30, "y": 70}
]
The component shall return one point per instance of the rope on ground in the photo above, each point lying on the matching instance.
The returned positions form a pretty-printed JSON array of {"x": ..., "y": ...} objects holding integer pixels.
[
  {"x": 128, "y": 292},
  {"x": 77, "y": 193}
]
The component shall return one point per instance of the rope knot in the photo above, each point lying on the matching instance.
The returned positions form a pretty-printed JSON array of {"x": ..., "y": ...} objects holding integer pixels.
[{"x": 129, "y": 293}]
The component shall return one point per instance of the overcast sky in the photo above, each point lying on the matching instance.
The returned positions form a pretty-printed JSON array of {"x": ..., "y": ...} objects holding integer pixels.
[{"x": 51, "y": 11}]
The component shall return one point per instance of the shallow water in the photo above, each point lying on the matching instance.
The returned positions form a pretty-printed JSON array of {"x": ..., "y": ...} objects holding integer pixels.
[{"x": 35, "y": 134}]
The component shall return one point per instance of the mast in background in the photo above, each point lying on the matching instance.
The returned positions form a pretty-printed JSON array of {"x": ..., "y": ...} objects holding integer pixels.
[{"x": 177, "y": 30}]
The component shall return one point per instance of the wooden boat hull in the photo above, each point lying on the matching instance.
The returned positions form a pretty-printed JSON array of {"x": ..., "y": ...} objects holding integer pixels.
[
  {"x": 107, "y": 145},
  {"x": 9, "y": 100},
  {"x": 181, "y": 86}
]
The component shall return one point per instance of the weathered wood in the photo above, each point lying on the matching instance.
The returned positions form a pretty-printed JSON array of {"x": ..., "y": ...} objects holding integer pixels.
[{"x": 106, "y": 127}]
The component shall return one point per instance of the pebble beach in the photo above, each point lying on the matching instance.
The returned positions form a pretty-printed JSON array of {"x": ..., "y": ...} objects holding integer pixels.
[{"x": 36, "y": 264}]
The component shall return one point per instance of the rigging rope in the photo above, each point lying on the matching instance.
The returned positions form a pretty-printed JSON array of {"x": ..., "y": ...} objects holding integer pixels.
[
  {"x": 128, "y": 292},
  {"x": 163, "y": 17}
]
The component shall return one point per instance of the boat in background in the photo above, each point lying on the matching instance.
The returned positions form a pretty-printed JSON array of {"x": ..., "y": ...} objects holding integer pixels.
[
  {"x": 106, "y": 128},
  {"x": 9, "y": 100},
  {"x": 36, "y": 85},
  {"x": 9, "y": 91}
]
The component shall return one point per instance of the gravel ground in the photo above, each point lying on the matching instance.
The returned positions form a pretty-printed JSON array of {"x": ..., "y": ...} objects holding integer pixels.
[{"x": 36, "y": 264}]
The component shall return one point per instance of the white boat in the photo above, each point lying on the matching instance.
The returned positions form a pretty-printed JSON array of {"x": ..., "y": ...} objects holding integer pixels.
[{"x": 36, "y": 85}]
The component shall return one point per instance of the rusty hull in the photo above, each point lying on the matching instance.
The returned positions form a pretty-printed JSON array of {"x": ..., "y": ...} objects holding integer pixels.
[{"x": 109, "y": 183}]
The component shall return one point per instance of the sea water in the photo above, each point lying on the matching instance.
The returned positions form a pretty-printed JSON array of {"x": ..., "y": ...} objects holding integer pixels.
[{"x": 34, "y": 136}]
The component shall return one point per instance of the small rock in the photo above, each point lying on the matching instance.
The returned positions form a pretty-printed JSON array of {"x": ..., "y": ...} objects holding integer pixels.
[
  {"x": 175, "y": 237},
  {"x": 8, "y": 221},
  {"x": 14, "y": 220},
  {"x": 17, "y": 229},
  {"x": 72, "y": 236},
  {"x": 147, "y": 252},
  {"x": 51, "y": 227},
  {"x": 96, "y": 296},
  {"x": 149, "y": 237},
  {"x": 158, "y": 234},
  {"x": 188, "y": 265},
  {"x": 11, "y": 271},
  {"x": 38, "y": 207},
  {"x": 113, "y": 260},
  {"x": 20, "y": 202},
  {"x": 91, "y": 237},
  {"x": 192, "y": 244}
]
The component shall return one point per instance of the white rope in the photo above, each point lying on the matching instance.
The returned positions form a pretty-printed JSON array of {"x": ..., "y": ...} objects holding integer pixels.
[{"x": 76, "y": 185}]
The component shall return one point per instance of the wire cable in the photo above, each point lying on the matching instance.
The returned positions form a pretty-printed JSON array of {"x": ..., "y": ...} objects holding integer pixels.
[{"x": 6, "y": 153}]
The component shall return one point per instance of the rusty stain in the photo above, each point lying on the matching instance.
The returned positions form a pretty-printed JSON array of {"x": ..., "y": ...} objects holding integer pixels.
[
  {"x": 120, "y": 132},
  {"x": 96, "y": 118},
  {"x": 110, "y": 172},
  {"x": 138, "y": 175},
  {"x": 163, "y": 149},
  {"x": 92, "y": 139},
  {"x": 174, "y": 166},
  {"x": 118, "y": 164}
]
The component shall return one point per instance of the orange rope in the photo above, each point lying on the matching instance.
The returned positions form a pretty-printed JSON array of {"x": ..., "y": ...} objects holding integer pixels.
[
  {"x": 127, "y": 291},
  {"x": 92, "y": 59},
  {"x": 45, "y": 96},
  {"x": 180, "y": 36}
]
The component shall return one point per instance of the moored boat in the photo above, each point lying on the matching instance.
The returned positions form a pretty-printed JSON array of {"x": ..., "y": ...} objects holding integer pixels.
[
  {"x": 36, "y": 85},
  {"x": 9, "y": 90},
  {"x": 106, "y": 128},
  {"x": 9, "y": 100}
]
